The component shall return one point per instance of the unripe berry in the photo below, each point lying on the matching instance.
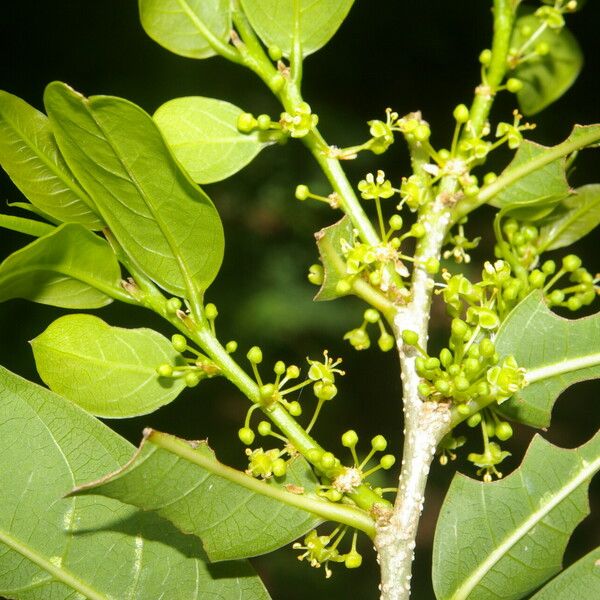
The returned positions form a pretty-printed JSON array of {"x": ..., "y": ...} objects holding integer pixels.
[
  {"x": 387, "y": 461},
  {"x": 173, "y": 305},
  {"x": 246, "y": 435},
  {"x": 164, "y": 370},
  {"x": 386, "y": 342},
  {"x": 302, "y": 192},
  {"x": 179, "y": 343},
  {"x": 503, "y": 431},
  {"x": 379, "y": 443},
  {"x": 410, "y": 337},
  {"x": 571, "y": 263},
  {"x": 461, "y": 113},
  {"x": 211, "y": 312},
  {"x": 371, "y": 315},
  {"x": 264, "y": 428},
  {"x": 255, "y": 355},
  {"x": 514, "y": 85},
  {"x": 349, "y": 438}
]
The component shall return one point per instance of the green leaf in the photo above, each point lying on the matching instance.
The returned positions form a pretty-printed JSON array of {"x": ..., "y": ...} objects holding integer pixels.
[
  {"x": 538, "y": 172},
  {"x": 580, "y": 580},
  {"x": 59, "y": 548},
  {"x": 504, "y": 539},
  {"x": 108, "y": 371},
  {"x": 70, "y": 267},
  {"x": 28, "y": 153},
  {"x": 234, "y": 514},
  {"x": 578, "y": 215},
  {"x": 274, "y": 21},
  {"x": 28, "y": 207},
  {"x": 186, "y": 27},
  {"x": 165, "y": 223},
  {"x": 203, "y": 134},
  {"x": 26, "y": 226},
  {"x": 556, "y": 353},
  {"x": 329, "y": 242},
  {"x": 546, "y": 78}
]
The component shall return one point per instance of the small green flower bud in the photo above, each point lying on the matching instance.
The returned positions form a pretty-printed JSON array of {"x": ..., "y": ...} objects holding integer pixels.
[
  {"x": 275, "y": 53},
  {"x": 422, "y": 132},
  {"x": 424, "y": 389},
  {"x": 549, "y": 267},
  {"x": 192, "y": 379},
  {"x": 461, "y": 113},
  {"x": 410, "y": 338},
  {"x": 264, "y": 428},
  {"x": 537, "y": 279},
  {"x": 263, "y": 122},
  {"x": 386, "y": 342},
  {"x": 316, "y": 274},
  {"x": 333, "y": 495},
  {"x": 471, "y": 366},
  {"x": 324, "y": 391},
  {"x": 432, "y": 363},
  {"x": 279, "y": 368},
  {"x": 255, "y": 355},
  {"x": 349, "y": 438},
  {"x": 474, "y": 420},
  {"x": 556, "y": 297},
  {"x": 179, "y": 343},
  {"x": 514, "y": 85},
  {"x": 487, "y": 348},
  {"x": 432, "y": 266},
  {"x": 387, "y": 461},
  {"x": 343, "y": 286},
  {"x": 327, "y": 460},
  {"x": 461, "y": 383},
  {"x": 503, "y": 431},
  {"x": 314, "y": 455},
  {"x": 485, "y": 57},
  {"x": 164, "y": 370},
  {"x": 279, "y": 467},
  {"x": 302, "y": 192},
  {"x": 246, "y": 435},
  {"x": 489, "y": 178},
  {"x": 453, "y": 370},
  {"x": 292, "y": 372},
  {"x": 353, "y": 560},
  {"x": 574, "y": 303},
  {"x": 542, "y": 48},
  {"x": 446, "y": 357},
  {"x": 396, "y": 222},
  {"x": 571, "y": 263},
  {"x": 463, "y": 409},
  {"x": 173, "y": 305},
  {"x": 371, "y": 315},
  {"x": 211, "y": 312},
  {"x": 231, "y": 346},
  {"x": 277, "y": 82},
  {"x": 459, "y": 328},
  {"x": 490, "y": 429},
  {"x": 417, "y": 230},
  {"x": 442, "y": 386},
  {"x": 379, "y": 443},
  {"x": 358, "y": 338},
  {"x": 266, "y": 391},
  {"x": 246, "y": 123},
  {"x": 294, "y": 408}
]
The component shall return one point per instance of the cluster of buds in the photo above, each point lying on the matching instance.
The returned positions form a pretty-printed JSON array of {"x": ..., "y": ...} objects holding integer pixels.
[{"x": 359, "y": 337}]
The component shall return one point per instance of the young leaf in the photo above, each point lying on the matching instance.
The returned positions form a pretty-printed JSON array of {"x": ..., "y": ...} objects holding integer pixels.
[
  {"x": 580, "y": 580},
  {"x": 273, "y": 20},
  {"x": 165, "y": 223},
  {"x": 108, "y": 371},
  {"x": 546, "y": 78},
  {"x": 556, "y": 353},
  {"x": 504, "y": 539},
  {"x": 538, "y": 171},
  {"x": 579, "y": 214},
  {"x": 235, "y": 515},
  {"x": 28, "y": 153},
  {"x": 203, "y": 135},
  {"x": 95, "y": 548},
  {"x": 329, "y": 242},
  {"x": 26, "y": 226},
  {"x": 186, "y": 27},
  {"x": 69, "y": 267}
]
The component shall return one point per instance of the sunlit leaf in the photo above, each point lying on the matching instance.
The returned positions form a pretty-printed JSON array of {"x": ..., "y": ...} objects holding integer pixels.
[
  {"x": 203, "y": 134},
  {"x": 165, "y": 223},
  {"x": 108, "y": 371},
  {"x": 26, "y": 226},
  {"x": 58, "y": 548},
  {"x": 69, "y": 267},
  {"x": 556, "y": 353},
  {"x": 504, "y": 539},
  {"x": 185, "y": 26},
  {"x": 28, "y": 153}
]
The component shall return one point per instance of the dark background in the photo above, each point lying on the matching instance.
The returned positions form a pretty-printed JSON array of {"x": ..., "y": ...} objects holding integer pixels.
[{"x": 407, "y": 55}]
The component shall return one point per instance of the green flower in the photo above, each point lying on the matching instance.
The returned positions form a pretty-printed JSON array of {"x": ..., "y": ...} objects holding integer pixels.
[{"x": 373, "y": 187}]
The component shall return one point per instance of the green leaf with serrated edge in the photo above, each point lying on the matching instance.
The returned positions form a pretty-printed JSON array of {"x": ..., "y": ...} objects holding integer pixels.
[
  {"x": 165, "y": 223},
  {"x": 538, "y": 171},
  {"x": 274, "y": 21},
  {"x": 234, "y": 514},
  {"x": 329, "y": 242},
  {"x": 30, "y": 156},
  {"x": 506, "y": 538},
  {"x": 108, "y": 371},
  {"x": 580, "y": 580},
  {"x": 183, "y": 26},
  {"x": 70, "y": 267},
  {"x": 564, "y": 352},
  {"x": 578, "y": 215},
  {"x": 545, "y": 78},
  {"x": 59, "y": 548},
  {"x": 26, "y": 226},
  {"x": 203, "y": 135}
]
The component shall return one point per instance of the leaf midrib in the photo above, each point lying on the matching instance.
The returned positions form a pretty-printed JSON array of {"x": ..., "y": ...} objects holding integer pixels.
[{"x": 551, "y": 370}]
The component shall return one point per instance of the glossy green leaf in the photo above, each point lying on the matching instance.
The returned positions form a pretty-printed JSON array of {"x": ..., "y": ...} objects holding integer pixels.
[
  {"x": 546, "y": 78},
  {"x": 30, "y": 156},
  {"x": 70, "y": 267},
  {"x": 30, "y": 208},
  {"x": 108, "y": 371},
  {"x": 26, "y": 226},
  {"x": 203, "y": 134},
  {"x": 185, "y": 27},
  {"x": 165, "y": 223},
  {"x": 578, "y": 215},
  {"x": 580, "y": 580},
  {"x": 58, "y": 548},
  {"x": 563, "y": 352},
  {"x": 329, "y": 242},
  {"x": 274, "y": 21},
  {"x": 235, "y": 515},
  {"x": 538, "y": 172},
  {"x": 504, "y": 539}
]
